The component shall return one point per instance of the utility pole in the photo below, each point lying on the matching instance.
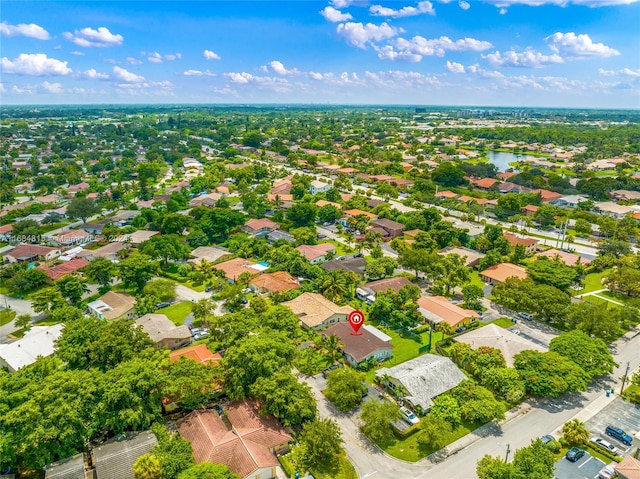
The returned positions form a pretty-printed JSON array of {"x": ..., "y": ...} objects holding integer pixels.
[
  {"x": 506, "y": 457},
  {"x": 624, "y": 378}
]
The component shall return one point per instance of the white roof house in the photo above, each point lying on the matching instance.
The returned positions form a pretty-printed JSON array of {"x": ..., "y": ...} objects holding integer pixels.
[
  {"x": 424, "y": 378},
  {"x": 38, "y": 341}
]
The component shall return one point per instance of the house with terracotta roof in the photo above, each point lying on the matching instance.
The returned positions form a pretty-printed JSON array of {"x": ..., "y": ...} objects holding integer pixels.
[
  {"x": 628, "y": 468},
  {"x": 316, "y": 253},
  {"x": 58, "y": 271},
  {"x": 356, "y": 212},
  {"x": 471, "y": 257},
  {"x": 113, "y": 305},
  {"x": 508, "y": 187},
  {"x": 317, "y": 312},
  {"x": 259, "y": 227},
  {"x": 209, "y": 199},
  {"x": 546, "y": 195},
  {"x": 282, "y": 186},
  {"x": 438, "y": 309},
  {"x": 233, "y": 268},
  {"x": 321, "y": 203},
  {"x": 569, "y": 259},
  {"x": 278, "y": 282},
  {"x": 485, "y": 183},
  {"x": 446, "y": 195},
  {"x": 244, "y": 440},
  {"x": 363, "y": 347},
  {"x": 5, "y": 232},
  {"x": 500, "y": 272},
  {"x": 79, "y": 187},
  {"x": 529, "y": 210},
  {"x": 530, "y": 244},
  {"x": 199, "y": 353},
  {"x": 31, "y": 252},
  {"x": 163, "y": 332}
]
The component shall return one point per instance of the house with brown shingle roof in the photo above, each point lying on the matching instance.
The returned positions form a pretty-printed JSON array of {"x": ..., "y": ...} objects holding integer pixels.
[
  {"x": 471, "y": 257},
  {"x": 72, "y": 237},
  {"x": 163, "y": 332},
  {"x": 259, "y": 226},
  {"x": 317, "y": 312},
  {"x": 277, "y": 282},
  {"x": 390, "y": 229},
  {"x": 529, "y": 210},
  {"x": 68, "y": 267},
  {"x": 361, "y": 348},
  {"x": 113, "y": 305},
  {"x": 241, "y": 439},
  {"x": 31, "y": 252},
  {"x": 438, "y": 309},
  {"x": 316, "y": 253},
  {"x": 500, "y": 272},
  {"x": 235, "y": 267}
]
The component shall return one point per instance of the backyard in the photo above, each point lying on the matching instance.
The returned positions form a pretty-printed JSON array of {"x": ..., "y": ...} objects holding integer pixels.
[{"x": 177, "y": 312}]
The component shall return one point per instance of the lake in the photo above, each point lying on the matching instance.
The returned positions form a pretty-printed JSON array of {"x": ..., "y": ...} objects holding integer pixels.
[{"x": 502, "y": 160}]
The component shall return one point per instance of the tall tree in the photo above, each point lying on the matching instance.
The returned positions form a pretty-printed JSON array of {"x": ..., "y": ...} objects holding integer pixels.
[
  {"x": 549, "y": 374},
  {"x": 321, "y": 440},
  {"x": 377, "y": 418},
  {"x": 285, "y": 398},
  {"x": 101, "y": 270},
  {"x": 575, "y": 432},
  {"x": 147, "y": 466},
  {"x": 82, "y": 208},
  {"x": 137, "y": 270},
  {"x": 592, "y": 354},
  {"x": 345, "y": 387}
]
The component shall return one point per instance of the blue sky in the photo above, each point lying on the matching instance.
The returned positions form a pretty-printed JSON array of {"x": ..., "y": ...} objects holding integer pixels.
[{"x": 520, "y": 53}]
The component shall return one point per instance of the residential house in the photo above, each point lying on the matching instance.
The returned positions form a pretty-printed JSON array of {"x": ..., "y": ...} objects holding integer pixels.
[
  {"x": 546, "y": 196},
  {"x": 355, "y": 213},
  {"x": 124, "y": 217},
  {"x": 244, "y": 440},
  {"x": 278, "y": 282},
  {"x": 318, "y": 187},
  {"x": 412, "y": 233},
  {"x": 163, "y": 332},
  {"x": 367, "y": 292},
  {"x": 95, "y": 228},
  {"x": 199, "y": 353},
  {"x": 471, "y": 257},
  {"x": 113, "y": 305},
  {"x": 37, "y": 341},
  {"x": 438, "y": 309},
  {"x": 570, "y": 259},
  {"x": 73, "y": 189},
  {"x": 31, "y": 252},
  {"x": 139, "y": 236},
  {"x": 493, "y": 336},
  {"x": 361, "y": 348},
  {"x": 628, "y": 468},
  {"x": 614, "y": 210},
  {"x": 473, "y": 230},
  {"x": 625, "y": 195},
  {"x": 446, "y": 195},
  {"x": 209, "y": 199},
  {"x": 115, "y": 459},
  {"x": 485, "y": 183},
  {"x": 529, "y": 210},
  {"x": 569, "y": 201},
  {"x": 209, "y": 253},
  {"x": 355, "y": 265},
  {"x": 282, "y": 201},
  {"x": 281, "y": 187},
  {"x": 500, "y": 272},
  {"x": 390, "y": 229},
  {"x": 403, "y": 184},
  {"x": 423, "y": 378},
  {"x": 58, "y": 271},
  {"x": 46, "y": 199},
  {"x": 70, "y": 468},
  {"x": 72, "y": 237},
  {"x": 317, "y": 312},
  {"x": 530, "y": 244},
  {"x": 601, "y": 165},
  {"x": 109, "y": 251},
  {"x": 321, "y": 203},
  {"x": 280, "y": 235},
  {"x": 5, "y": 232},
  {"x": 508, "y": 187},
  {"x": 259, "y": 227},
  {"x": 233, "y": 268},
  {"x": 316, "y": 253}
]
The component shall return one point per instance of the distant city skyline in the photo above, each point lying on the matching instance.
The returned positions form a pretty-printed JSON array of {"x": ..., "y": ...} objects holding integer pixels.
[{"x": 508, "y": 53}]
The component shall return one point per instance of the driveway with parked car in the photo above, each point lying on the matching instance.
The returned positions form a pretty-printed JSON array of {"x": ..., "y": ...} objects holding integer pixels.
[
  {"x": 587, "y": 467},
  {"x": 620, "y": 414}
]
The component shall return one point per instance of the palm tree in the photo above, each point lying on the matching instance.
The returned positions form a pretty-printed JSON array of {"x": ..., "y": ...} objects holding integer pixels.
[
  {"x": 335, "y": 286},
  {"x": 575, "y": 432},
  {"x": 147, "y": 466},
  {"x": 445, "y": 328},
  {"x": 332, "y": 344},
  {"x": 205, "y": 268}
]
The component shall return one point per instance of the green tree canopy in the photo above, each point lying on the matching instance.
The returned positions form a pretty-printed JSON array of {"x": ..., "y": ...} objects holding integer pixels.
[
  {"x": 549, "y": 374},
  {"x": 285, "y": 398},
  {"x": 345, "y": 387},
  {"x": 207, "y": 470},
  {"x": 554, "y": 273},
  {"x": 321, "y": 441},
  {"x": 377, "y": 418},
  {"x": 592, "y": 354},
  {"x": 82, "y": 208}
]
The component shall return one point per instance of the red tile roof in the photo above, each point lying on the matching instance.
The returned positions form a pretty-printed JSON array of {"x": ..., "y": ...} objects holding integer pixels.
[
  {"x": 485, "y": 182},
  {"x": 60, "y": 270},
  {"x": 199, "y": 353}
]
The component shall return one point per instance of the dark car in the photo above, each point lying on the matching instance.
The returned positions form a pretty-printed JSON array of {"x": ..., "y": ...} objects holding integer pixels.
[
  {"x": 164, "y": 304},
  {"x": 547, "y": 439},
  {"x": 575, "y": 454},
  {"x": 619, "y": 434},
  {"x": 329, "y": 369}
]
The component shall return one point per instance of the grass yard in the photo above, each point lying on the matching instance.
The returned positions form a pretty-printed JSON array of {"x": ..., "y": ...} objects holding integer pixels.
[
  {"x": 6, "y": 316},
  {"x": 177, "y": 312},
  {"x": 338, "y": 469},
  {"x": 620, "y": 298},
  {"x": 408, "y": 449},
  {"x": 593, "y": 282},
  {"x": 632, "y": 393},
  {"x": 475, "y": 279},
  {"x": 503, "y": 322}
]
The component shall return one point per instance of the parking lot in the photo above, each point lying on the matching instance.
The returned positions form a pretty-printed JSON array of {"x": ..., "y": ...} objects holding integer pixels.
[
  {"x": 586, "y": 468},
  {"x": 619, "y": 413}
]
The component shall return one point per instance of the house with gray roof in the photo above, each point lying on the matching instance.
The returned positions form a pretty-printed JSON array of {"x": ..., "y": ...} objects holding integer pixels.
[
  {"x": 38, "y": 341},
  {"x": 115, "y": 459},
  {"x": 69, "y": 468},
  {"x": 163, "y": 332},
  {"x": 423, "y": 378}
]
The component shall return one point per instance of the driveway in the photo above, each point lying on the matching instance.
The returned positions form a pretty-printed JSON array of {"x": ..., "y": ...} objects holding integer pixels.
[
  {"x": 586, "y": 468},
  {"x": 622, "y": 414}
]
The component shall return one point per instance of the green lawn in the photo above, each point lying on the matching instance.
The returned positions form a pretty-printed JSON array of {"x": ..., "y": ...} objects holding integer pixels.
[
  {"x": 177, "y": 312},
  {"x": 593, "y": 282},
  {"x": 503, "y": 322},
  {"x": 475, "y": 279},
  {"x": 620, "y": 298},
  {"x": 340, "y": 469},
  {"x": 341, "y": 249},
  {"x": 632, "y": 393},
  {"x": 408, "y": 449},
  {"x": 6, "y": 316}
]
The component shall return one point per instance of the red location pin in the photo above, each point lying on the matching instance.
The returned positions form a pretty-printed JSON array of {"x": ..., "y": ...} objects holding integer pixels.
[{"x": 356, "y": 320}]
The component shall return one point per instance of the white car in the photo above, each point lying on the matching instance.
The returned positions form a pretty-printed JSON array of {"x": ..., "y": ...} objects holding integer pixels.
[
  {"x": 408, "y": 416},
  {"x": 607, "y": 446}
]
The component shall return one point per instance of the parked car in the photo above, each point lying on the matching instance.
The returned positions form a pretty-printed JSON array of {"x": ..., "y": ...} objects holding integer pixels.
[
  {"x": 574, "y": 454},
  {"x": 619, "y": 434},
  {"x": 525, "y": 316},
  {"x": 164, "y": 304},
  {"x": 358, "y": 255},
  {"x": 607, "y": 446},
  {"x": 547, "y": 439},
  {"x": 321, "y": 236},
  {"x": 409, "y": 416},
  {"x": 607, "y": 472}
]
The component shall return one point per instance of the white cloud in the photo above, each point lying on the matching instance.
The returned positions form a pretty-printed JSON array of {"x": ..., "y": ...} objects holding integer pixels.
[
  {"x": 133, "y": 61},
  {"x": 25, "y": 30},
  {"x": 570, "y": 45},
  {"x": 359, "y": 35},
  {"x": 464, "y": 5},
  {"x": 417, "y": 47},
  {"x": 341, "y": 3},
  {"x": 528, "y": 59},
  {"x": 422, "y": 8},
  {"x": 454, "y": 67},
  {"x": 88, "y": 37},
  {"x": 93, "y": 74},
  {"x": 173, "y": 56},
  {"x": 28, "y": 89},
  {"x": 625, "y": 72},
  {"x": 77, "y": 53},
  {"x": 278, "y": 67},
  {"x": 333, "y": 15},
  {"x": 198, "y": 73},
  {"x": 52, "y": 87},
  {"x": 277, "y": 84},
  {"x": 155, "y": 57},
  {"x": 210, "y": 55},
  {"x": 35, "y": 64},
  {"x": 126, "y": 76},
  {"x": 503, "y": 11},
  {"x": 242, "y": 78}
]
